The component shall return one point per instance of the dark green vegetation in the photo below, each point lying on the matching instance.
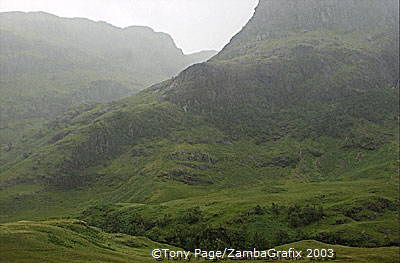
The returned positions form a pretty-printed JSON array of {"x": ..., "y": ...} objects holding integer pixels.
[
  {"x": 350, "y": 254},
  {"x": 49, "y": 64},
  {"x": 277, "y": 139},
  {"x": 74, "y": 241}
]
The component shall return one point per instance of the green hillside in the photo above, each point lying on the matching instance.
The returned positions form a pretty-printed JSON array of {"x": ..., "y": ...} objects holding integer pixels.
[
  {"x": 349, "y": 254},
  {"x": 70, "y": 241},
  {"x": 277, "y": 139},
  {"x": 49, "y": 64},
  {"x": 74, "y": 241}
]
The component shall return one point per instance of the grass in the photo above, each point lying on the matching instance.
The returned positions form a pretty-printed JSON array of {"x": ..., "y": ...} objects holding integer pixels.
[
  {"x": 340, "y": 181},
  {"x": 350, "y": 254},
  {"x": 74, "y": 241},
  {"x": 70, "y": 241},
  {"x": 306, "y": 148}
]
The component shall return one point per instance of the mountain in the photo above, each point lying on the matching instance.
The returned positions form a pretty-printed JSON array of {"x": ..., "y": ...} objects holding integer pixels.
[
  {"x": 49, "y": 64},
  {"x": 271, "y": 19},
  {"x": 290, "y": 133}
]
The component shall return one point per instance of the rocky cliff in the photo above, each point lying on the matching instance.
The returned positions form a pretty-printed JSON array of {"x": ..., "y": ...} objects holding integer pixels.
[
  {"x": 296, "y": 51},
  {"x": 274, "y": 18},
  {"x": 297, "y": 120}
]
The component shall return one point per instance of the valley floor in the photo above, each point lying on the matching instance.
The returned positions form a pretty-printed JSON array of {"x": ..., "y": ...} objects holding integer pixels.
[{"x": 75, "y": 241}]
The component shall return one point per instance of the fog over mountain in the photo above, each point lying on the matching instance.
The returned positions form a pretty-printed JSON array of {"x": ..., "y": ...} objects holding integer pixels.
[
  {"x": 49, "y": 64},
  {"x": 195, "y": 25},
  {"x": 287, "y": 138}
]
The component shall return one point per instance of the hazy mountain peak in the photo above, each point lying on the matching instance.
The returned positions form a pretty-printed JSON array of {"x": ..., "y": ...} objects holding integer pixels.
[
  {"x": 295, "y": 110},
  {"x": 252, "y": 68},
  {"x": 72, "y": 60},
  {"x": 279, "y": 18}
]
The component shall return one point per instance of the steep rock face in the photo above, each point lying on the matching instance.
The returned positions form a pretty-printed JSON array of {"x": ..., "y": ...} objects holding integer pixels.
[
  {"x": 297, "y": 51},
  {"x": 318, "y": 81},
  {"x": 300, "y": 117},
  {"x": 274, "y": 19},
  {"x": 313, "y": 73}
]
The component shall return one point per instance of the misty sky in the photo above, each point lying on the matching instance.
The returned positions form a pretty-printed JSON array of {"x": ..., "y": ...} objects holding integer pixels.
[{"x": 194, "y": 24}]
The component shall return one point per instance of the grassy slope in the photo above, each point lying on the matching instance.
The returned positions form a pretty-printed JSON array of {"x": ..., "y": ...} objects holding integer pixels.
[
  {"x": 339, "y": 180},
  {"x": 44, "y": 72},
  {"x": 70, "y": 241},
  {"x": 74, "y": 241},
  {"x": 350, "y": 254},
  {"x": 147, "y": 156}
]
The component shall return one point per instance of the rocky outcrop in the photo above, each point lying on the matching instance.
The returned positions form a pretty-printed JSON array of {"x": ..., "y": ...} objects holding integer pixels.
[
  {"x": 279, "y": 18},
  {"x": 253, "y": 70}
]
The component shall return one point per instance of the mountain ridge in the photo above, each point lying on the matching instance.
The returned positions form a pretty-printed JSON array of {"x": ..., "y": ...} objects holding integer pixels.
[
  {"x": 50, "y": 63},
  {"x": 270, "y": 142},
  {"x": 277, "y": 19}
]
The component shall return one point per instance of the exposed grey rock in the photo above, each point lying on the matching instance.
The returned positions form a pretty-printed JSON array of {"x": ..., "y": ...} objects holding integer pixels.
[{"x": 277, "y": 18}]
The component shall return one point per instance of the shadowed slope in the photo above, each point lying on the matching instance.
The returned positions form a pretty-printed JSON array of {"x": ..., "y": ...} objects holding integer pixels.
[{"x": 298, "y": 121}]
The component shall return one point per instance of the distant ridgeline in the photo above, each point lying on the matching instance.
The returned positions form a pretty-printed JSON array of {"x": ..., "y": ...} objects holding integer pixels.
[
  {"x": 49, "y": 64},
  {"x": 289, "y": 133}
]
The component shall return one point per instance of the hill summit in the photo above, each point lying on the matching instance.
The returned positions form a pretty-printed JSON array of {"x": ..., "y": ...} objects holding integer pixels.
[
  {"x": 50, "y": 63},
  {"x": 274, "y": 19},
  {"x": 283, "y": 136}
]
